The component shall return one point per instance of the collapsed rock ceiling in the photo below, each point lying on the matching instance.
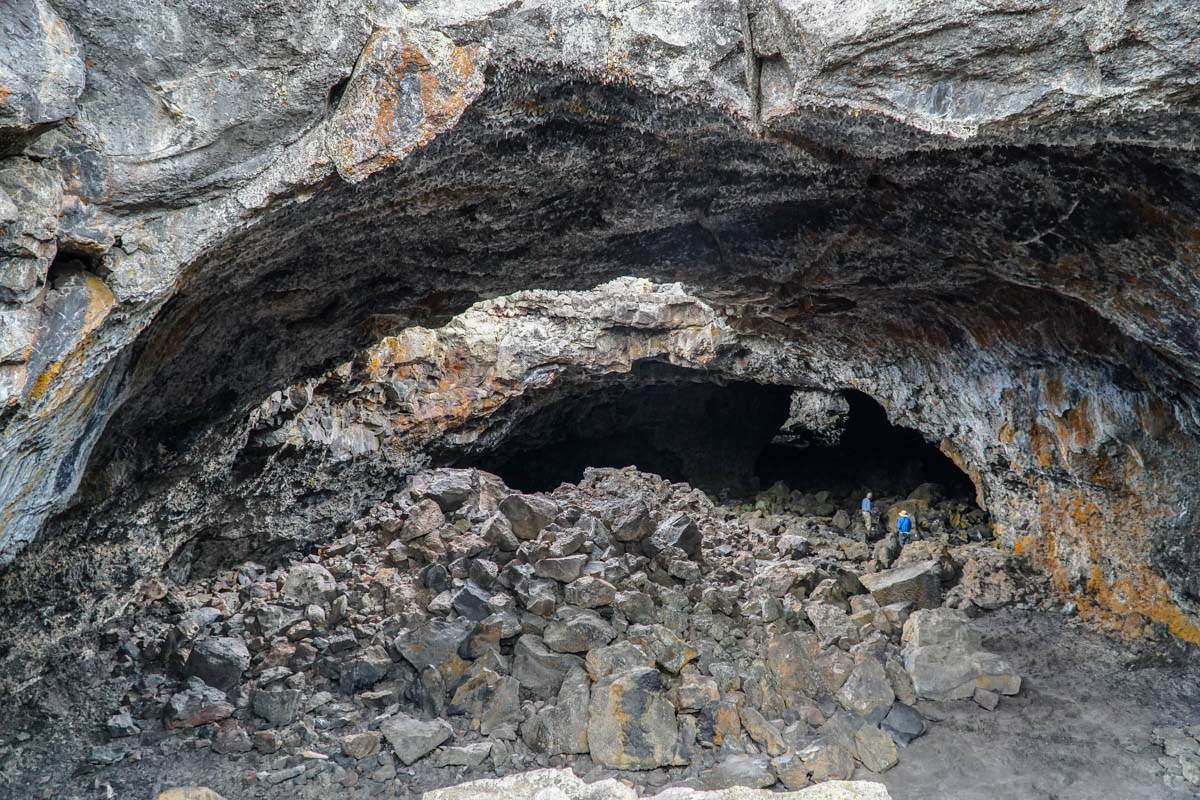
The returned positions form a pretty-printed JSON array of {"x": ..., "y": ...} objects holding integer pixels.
[{"x": 983, "y": 218}]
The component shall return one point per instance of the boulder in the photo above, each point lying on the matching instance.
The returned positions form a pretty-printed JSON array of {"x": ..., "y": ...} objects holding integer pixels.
[
  {"x": 413, "y": 738},
  {"x": 196, "y": 704},
  {"x": 793, "y": 660},
  {"x": 489, "y": 697},
  {"x": 945, "y": 659},
  {"x": 631, "y": 723},
  {"x": 361, "y": 745},
  {"x": 424, "y": 518},
  {"x": 563, "y": 569},
  {"x": 876, "y": 749},
  {"x": 919, "y": 584},
  {"x": 867, "y": 692},
  {"x": 435, "y": 644},
  {"x": 539, "y": 669},
  {"x": 219, "y": 661},
  {"x": 471, "y": 755},
  {"x": 679, "y": 531},
  {"x": 563, "y": 727},
  {"x": 577, "y": 630},
  {"x": 616, "y": 657},
  {"x": 560, "y": 784},
  {"x": 528, "y": 514},
  {"x": 278, "y": 707},
  {"x": 590, "y": 592},
  {"x": 740, "y": 770},
  {"x": 904, "y": 723},
  {"x": 308, "y": 584},
  {"x": 449, "y": 488},
  {"x": 630, "y": 521}
]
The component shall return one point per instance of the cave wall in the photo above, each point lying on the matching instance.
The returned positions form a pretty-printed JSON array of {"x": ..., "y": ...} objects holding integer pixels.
[{"x": 982, "y": 215}]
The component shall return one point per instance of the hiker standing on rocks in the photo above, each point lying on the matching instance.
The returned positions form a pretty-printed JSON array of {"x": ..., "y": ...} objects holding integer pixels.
[
  {"x": 904, "y": 527},
  {"x": 867, "y": 508}
]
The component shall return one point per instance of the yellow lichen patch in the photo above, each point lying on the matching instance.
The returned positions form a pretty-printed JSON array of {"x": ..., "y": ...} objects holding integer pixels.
[{"x": 43, "y": 381}]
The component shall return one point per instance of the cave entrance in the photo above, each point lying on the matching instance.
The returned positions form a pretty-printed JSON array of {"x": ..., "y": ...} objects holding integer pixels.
[
  {"x": 729, "y": 438},
  {"x": 843, "y": 442}
]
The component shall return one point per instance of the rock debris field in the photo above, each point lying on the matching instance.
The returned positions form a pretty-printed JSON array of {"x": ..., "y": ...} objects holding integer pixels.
[{"x": 623, "y": 629}]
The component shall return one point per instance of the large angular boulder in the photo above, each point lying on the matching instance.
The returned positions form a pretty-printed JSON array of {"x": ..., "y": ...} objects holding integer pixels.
[
  {"x": 414, "y": 738},
  {"x": 528, "y": 514},
  {"x": 539, "y": 669},
  {"x": 946, "y": 661},
  {"x": 449, "y": 488},
  {"x": 867, "y": 692},
  {"x": 919, "y": 584},
  {"x": 677, "y": 530},
  {"x": 632, "y": 724},
  {"x": 219, "y": 661},
  {"x": 308, "y": 584},
  {"x": 793, "y": 659},
  {"x": 577, "y": 630},
  {"x": 562, "y": 728}
]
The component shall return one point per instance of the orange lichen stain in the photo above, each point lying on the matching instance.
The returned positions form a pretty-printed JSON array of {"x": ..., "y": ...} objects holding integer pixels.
[
  {"x": 42, "y": 384},
  {"x": 5, "y": 93}
]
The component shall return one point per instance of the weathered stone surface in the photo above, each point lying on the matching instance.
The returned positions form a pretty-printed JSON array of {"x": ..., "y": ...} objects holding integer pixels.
[
  {"x": 875, "y": 749},
  {"x": 676, "y": 531},
  {"x": 412, "y": 738},
  {"x": 528, "y": 514},
  {"x": 943, "y": 656},
  {"x": 309, "y": 583},
  {"x": 563, "y": 727},
  {"x": 277, "y": 706},
  {"x": 632, "y": 724},
  {"x": 539, "y": 669},
  {"x": 919, "y": 584},
  {"x": 219, "y": 661},
  {"x": 867, "y": 691}
]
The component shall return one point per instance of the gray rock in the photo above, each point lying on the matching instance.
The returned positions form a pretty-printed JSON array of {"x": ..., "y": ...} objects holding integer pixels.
[
  {"x": 867, "y": 692},
  {"x": 876, "y": 749},
  {"x": 424, "y": 518},
  {"x": 904, "y": 723},
  {"x": 562, "y": 728},
  {"x": 678, "y": 530},
  {"x": 563, "y": 569},
  {"x": 577, "y": 630},
  {"x": 589, "y": 592},
  {"x": 528, "y": 514},
  {"x": 413, "y": 738},
  {"x": 631, "y": 723},
  {"x": 471, "y": 755},
  {"x": 309, "y": 583},
  {"x": 121, "y": 725},
  {"x": 449, "y": 488},
  {"x": 489, "y": 697},
  {"x": 740, "y": 770},
  {"x": 196, "y": 704},
  {"x": 472, "y": 601},
  {"x": 219, "y": 661},
  {"x": 919, "y": 584},
  {"x": 277, "y": 706},
  {"x": 943, "y": 656},
  {"x": 617, "y": 657},
  {"x": 539, "y": 669}
]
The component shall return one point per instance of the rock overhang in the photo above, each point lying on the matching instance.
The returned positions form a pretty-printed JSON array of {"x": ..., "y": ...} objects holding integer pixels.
[{"x": 1031, "y": 253}]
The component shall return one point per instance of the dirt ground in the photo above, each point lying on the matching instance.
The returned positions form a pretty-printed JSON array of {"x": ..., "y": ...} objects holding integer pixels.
[{"x": 1079, "y": 729}]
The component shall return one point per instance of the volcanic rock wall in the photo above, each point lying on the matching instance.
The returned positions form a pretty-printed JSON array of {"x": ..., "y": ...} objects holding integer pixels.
[{"x": 981, "y": 213}]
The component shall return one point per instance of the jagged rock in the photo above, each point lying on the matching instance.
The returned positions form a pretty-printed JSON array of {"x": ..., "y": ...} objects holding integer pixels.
[
  {"x": 472, "y": 601},
  {"x": 539, "y": 669},
  {"x": 919, "y": 584},
  {"x": 577, "y": 630},
  {"x": 308, "y": 583},
  {"x": 277, "y": 706},
  {"x": 764, "y": 734},
  {"x": 361, "y": 745},
  {"x": 435, "y": 644},
  {"x": 471, "y": 755},
  {"x": 831, "y": 622},
  {"x": 792, "y": 659},
  {"x": 413, "y": 738},
  {"x": 121, "y": 725},
  {"x": 867, "y": 692},
  {"x": 563, "y": 569},
  {"x": 740, "y": 770},
  {"x": 630, "y": 521},
  {"x": 231, "y": 737},
  {"x": 827, "y": 760},
  {"x": 528, "y": 514},
  {"x": 423, "y": 519},
  {"x": 945, "y": 659},
  {"x": 875, "y": 749},
  {"x": 631, "y": 723},
  {"x": 637, "y": 607},
  {"x": 489, "y": 697},
  {"x": 197, "y": 704},
  {"x": 449, "y": 488},
  {"x": 678, "y": 531},
  {"x": 563, "y": 727},
  {"x": 589, "y": 592},
  {"x": 617, "y": 657},
  {"x": 670, "y": 651},
  {"x": 219, "y": 661},
  {"x": 904, "y": 723}
]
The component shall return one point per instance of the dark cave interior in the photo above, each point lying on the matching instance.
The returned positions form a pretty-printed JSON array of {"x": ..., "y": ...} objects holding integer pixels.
[{"x": 719, "y": 436}]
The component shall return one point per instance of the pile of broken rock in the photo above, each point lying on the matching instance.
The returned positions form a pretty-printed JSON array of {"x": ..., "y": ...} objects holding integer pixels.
[{"x": 624, "y": 626}]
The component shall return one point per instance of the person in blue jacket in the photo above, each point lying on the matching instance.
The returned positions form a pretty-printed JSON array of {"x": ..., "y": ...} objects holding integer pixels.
[
  {"x": 904, "y": 527},
  {"x": 867, "y": 508}
]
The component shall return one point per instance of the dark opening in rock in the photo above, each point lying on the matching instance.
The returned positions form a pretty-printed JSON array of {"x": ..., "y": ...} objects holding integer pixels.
[{"x": 860, "y": 451}]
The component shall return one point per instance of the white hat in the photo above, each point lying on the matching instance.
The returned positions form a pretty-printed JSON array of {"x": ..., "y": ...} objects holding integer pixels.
[{"x": 903, "y": 513}]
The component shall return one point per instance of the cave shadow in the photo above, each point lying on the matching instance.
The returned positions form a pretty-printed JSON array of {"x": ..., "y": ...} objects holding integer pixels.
[{"x": 720, "y": 436}]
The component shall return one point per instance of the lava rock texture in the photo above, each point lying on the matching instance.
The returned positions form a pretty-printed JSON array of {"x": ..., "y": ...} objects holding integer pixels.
[{"x": 982, "y": 214}]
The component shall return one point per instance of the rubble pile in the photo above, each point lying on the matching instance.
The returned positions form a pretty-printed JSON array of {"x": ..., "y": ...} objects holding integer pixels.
[{"x": 624, "y": 626}]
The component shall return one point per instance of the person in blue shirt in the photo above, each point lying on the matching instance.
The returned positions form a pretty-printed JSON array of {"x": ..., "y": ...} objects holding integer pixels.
[
  {"x": 904, "y": 527},
  {"x": 867, "y": 508}
]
